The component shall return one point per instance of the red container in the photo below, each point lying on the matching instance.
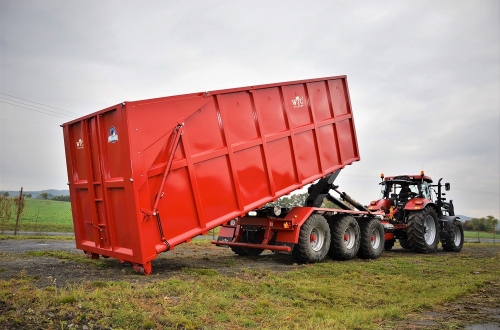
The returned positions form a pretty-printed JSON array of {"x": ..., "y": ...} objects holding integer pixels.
[{"x": 145, "y": 176}]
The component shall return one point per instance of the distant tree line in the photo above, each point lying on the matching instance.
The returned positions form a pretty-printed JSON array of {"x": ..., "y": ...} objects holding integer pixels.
[
  {"x": 487, "y": 224},
  {"x": 43, "y": 195},
  {"x": 61, "y": 198}
]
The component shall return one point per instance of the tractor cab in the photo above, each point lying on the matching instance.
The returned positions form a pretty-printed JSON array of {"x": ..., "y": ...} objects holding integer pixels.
[{"x": 403, "y": 191}]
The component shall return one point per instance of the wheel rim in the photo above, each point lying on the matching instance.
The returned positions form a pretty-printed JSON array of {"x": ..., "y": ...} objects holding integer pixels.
[
  {"x": 317, "y": 239},
  {"x": 430, "y": 230},
  {"x": 375, "y": 238},
  {"x": 349, "y": 237},
  {"x": 457, "y": 239}
]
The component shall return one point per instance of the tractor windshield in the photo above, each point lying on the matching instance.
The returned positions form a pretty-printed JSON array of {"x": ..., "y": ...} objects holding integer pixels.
[
  {"x": 400, "y": 190},
  {"x": 426, "y": 190}
]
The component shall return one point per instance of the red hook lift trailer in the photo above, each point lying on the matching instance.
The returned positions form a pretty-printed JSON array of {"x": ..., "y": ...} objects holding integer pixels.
[{"x": 146, "y": 176}]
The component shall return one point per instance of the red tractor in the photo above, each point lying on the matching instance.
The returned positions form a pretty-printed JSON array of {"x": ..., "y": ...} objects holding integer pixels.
[{"x": 417, "y": 214}]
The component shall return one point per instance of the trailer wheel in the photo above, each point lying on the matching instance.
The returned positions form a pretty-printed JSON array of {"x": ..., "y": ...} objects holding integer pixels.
[
  {"x": 248, "y": 252},
  {"x": 423, "y": 231},
  {"x": 388, "y": 245},
  {"x": 404, "y": 243},
  {"x": 314, "y": 240},
  {"x": 345, "y": 237},
  {"x": 454, "y": 241},
  {"x": 372, "y": 239}
]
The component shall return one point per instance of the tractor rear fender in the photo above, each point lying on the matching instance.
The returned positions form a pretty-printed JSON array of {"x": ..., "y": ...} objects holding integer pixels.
[
  {"x": 297, "y": 215},
  {"x": 418, "y": 204},
  {"x": 447, "y": 221}
]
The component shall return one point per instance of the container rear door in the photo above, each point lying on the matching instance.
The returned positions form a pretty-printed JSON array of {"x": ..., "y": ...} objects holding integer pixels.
[{"x": 100, "y": 197}]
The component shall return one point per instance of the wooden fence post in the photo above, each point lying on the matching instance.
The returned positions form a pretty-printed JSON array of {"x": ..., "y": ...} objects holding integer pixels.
[{"x": 20, "y": 207}]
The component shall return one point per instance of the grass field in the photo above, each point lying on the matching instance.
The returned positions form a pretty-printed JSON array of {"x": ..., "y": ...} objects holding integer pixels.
[
  {"x": 44, "y": 216},
  {"x": 357, "y": 294},
  {"x": 474, "y": 234}
]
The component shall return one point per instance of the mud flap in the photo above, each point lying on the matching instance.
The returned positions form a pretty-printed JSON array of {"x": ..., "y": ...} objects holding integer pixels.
[{"x": 447, "y": 221}]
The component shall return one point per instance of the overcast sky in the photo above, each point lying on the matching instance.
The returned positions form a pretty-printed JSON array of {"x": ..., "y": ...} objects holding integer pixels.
[{"x": 424, "y": 77}]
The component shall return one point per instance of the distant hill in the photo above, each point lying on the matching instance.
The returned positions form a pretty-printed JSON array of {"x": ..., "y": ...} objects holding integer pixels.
[
  {"x": 464, "y": 217},
  {"x": 34, "y": 194}
]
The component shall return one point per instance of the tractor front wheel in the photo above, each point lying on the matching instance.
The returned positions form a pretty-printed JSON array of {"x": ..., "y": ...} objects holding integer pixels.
[
  {"x": 423, "y": 231},
  {"x": 314, "y": 240},
  {"x": 454, "y": 240},
  {"x": 345, "y": 237},
  {"x": 372, "y": 239}
]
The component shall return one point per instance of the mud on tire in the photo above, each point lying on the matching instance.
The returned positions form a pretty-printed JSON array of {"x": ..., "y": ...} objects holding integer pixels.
[
  {"x": 454, "y": 240},
  {"x": 314, "y": 240},
  {"x": 423, "y": 231},
  {"x": 372, "y": 239},
  {"x": 345, "y": 237}
]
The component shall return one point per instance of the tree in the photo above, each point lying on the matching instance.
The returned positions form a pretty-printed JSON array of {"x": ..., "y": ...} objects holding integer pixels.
[
  {"x": 468, "y": 225},
  {"x": 487, "y": 224},
  {"x": 20, "y": 203},
  {"x": 61, "y": 198},
  {"x": 6, "y": 194},
  {"x": 44, "y": 195}
]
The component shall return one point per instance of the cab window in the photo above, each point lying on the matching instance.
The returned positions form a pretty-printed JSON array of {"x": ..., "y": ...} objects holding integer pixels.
[{"x": 425, "y": 190}]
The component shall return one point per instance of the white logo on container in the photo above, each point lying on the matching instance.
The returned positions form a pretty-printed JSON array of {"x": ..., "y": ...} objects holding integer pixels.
[
  {"x": 79, "y": 144},
  {"x": 298, "y": 102},
  {"x": 112, "y": 137}
]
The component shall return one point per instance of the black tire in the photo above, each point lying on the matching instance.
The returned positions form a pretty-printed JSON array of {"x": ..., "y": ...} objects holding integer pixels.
[
  {"x": 389, "y": 244},
  {"x": 244, "y": 251},
  {"x": 345, "y": 237},
  {"x": 372, "y": 239},
  {"x": 423, "y": 231},
  {"x": 314, "y": 240},
  {"x": 454, "y": 239},
  {"x": 404, "y": 243}
]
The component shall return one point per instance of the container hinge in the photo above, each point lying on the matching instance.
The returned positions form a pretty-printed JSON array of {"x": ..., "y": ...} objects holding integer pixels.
[
  {"x": 147, "y": 214},
  {"x": 93, "y": 224}
]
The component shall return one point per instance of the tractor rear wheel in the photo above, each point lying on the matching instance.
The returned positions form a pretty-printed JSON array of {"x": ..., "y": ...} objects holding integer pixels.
[
  {"x": 372, "y": 239},
  {"x": 248, "y": 237},
  {"x": 423, "y": 231},
  {"x": 314, "y": 240},
  {"x": 345, "y": 237},
  {"x": 454, "y": 241}
]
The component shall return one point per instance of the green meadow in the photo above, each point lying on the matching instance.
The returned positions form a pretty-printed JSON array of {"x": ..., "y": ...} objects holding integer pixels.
[{"x": 43, "y": 216}]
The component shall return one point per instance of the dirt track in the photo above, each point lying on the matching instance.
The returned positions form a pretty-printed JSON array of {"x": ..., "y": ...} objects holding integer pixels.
[{"x": 482, "y": 307}]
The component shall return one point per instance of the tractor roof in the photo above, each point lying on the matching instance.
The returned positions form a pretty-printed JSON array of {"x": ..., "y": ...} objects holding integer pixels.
[{"x": 411, "y": 178}]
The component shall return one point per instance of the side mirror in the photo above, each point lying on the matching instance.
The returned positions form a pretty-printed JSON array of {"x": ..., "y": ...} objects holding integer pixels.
[{"x": 447, "y": 186}]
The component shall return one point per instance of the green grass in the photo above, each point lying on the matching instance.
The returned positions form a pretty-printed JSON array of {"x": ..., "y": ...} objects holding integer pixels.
[
  {"x": 38, "y": 237},
  {"x": 474, "y": 234},
  {"x": 68, "y": 256},
  {"x": 357, "y": 294},
  {"x": 43, "y": 216}
]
